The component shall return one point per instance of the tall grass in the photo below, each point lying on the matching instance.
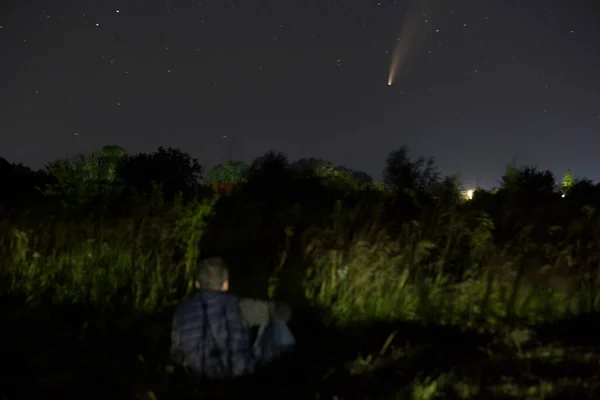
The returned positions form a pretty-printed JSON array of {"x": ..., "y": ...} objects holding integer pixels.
[
  {"x": 369, "y": 274},
  {"x": 447, "y": 270},
  {"x": 142, "y": 262}
]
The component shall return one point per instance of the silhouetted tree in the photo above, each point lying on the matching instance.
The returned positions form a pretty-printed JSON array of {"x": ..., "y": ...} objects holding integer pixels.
[
  {"x": 229, "y": 172},
  {"x": 402, "y": 174},
  {"x": 446, "y": 192},
  {"x": 309, "y": 164},
  {"x": 568, "y": 181},
  {"x": 528, "y": 180},
  {"x": 171, "y": 169},
  {"x": 106, "y": 162},
  {"x": 271, "y": 169},
  {"x": 85, "y": 179},
  {"x": 362, "y": 177},
  {"x": 74, "y": 184},
  {"x": 21, "y": 186},
  {"x": 5, "y": 167},
  {"x": 320, "y": 166},
  {"x": 583, "y": 192},
  {"x": 525, "y": 204}
]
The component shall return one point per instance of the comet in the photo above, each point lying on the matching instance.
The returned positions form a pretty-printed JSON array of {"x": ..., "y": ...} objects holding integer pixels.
[{"x": 413, "y": 24}]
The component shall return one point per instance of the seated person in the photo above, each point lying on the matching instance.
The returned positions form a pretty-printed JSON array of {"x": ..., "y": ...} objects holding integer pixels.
[{"x": 212, "y": 331}]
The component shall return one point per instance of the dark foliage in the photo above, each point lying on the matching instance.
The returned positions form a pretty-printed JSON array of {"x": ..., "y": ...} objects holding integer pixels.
[{"x": 171, "y": 169}]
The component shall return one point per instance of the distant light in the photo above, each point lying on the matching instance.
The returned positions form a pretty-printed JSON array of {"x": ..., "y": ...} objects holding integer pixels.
[
  {"x": 117, "y": 11},
  {"x": 563, "y": 195},
  {"x": 468, "y": 194}
]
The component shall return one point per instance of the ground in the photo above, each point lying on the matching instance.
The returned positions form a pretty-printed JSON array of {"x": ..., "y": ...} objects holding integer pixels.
[{"x": 72, "y": 352}]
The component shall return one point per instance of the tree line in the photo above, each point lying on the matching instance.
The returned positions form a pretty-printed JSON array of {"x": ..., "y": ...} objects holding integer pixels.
[{"x": 410, "y": 185}]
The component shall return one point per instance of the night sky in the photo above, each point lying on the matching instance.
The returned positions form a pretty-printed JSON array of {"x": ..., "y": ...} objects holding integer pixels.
[{"x": 483, "y": 81}]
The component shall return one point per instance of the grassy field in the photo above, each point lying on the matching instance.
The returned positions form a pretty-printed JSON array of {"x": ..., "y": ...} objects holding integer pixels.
[{"x": 87, "y": 308}]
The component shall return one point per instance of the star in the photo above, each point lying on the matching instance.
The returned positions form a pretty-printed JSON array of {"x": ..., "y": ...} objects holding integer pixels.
[{"x": 233, "y": 42}]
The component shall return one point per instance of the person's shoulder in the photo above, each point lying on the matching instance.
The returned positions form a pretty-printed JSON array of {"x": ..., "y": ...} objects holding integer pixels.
[
  {"x": 207, "y": 298},
  {"x": 225, "y": 299},
  {"x": 188, "y": 305}
]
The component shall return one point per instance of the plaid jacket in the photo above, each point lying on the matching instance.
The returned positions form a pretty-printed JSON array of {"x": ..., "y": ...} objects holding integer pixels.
[
  {"x": 208, "y": 336},
  {"x": 212, "y": 335}
]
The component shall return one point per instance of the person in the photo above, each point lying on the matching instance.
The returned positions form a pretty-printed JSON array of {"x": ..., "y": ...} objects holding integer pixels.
[{"x": 212, "y": 331}]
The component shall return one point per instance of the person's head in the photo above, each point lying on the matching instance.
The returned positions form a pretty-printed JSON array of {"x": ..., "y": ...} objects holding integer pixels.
[{"x": 212, "y": 274}]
